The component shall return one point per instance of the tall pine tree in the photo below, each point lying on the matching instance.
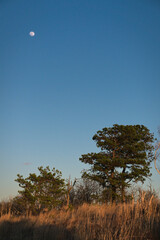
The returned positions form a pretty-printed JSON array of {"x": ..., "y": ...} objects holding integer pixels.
[{"x": 125, "y": 157}]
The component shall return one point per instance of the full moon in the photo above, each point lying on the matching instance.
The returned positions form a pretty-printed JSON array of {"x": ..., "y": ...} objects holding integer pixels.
[{"x": 32, "y": 34}]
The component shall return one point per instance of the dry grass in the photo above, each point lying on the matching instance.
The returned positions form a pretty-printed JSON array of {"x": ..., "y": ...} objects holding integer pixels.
[{"x": 135, "y": 221}]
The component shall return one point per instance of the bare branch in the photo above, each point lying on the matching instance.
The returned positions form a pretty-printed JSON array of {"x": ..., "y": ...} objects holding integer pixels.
[{"x": 155, "y": 159}]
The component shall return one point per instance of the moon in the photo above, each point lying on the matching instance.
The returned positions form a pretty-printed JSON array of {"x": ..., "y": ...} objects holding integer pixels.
[{"x": 32, "y": 34}]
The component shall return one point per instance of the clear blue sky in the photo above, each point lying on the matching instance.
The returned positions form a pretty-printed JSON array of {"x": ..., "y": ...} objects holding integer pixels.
[{"x": 91, "y": 64}]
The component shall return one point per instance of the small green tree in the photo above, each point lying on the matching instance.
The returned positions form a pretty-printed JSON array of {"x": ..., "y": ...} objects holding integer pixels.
[
  {"x": 125, "y": 157},
  {"x": 42, "y": 191}
]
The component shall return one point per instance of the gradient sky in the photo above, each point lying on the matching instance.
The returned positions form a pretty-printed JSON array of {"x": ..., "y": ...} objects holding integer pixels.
[{"x": 91, "y": 64}]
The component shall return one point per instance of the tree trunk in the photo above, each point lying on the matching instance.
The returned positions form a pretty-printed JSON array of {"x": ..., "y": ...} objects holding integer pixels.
[
  {"x": 123, "y": 193},
  {"x": 113, "y": 193},
  {"x": 123, "y": 186},
  {"x": 113, "y": 187}
]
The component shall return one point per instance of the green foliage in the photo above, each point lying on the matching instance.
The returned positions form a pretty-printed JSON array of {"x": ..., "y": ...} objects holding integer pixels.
[
  {"x": 42, "y": 191},
  {"x": 125, "y": 156}
]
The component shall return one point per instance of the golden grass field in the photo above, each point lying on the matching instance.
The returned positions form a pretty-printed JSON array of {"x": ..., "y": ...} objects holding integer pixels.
[{"x": 132, "y": 221}]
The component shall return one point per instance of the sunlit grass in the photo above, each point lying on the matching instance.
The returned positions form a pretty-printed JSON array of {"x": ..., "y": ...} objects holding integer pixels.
[{"x": 140, "y": 220}]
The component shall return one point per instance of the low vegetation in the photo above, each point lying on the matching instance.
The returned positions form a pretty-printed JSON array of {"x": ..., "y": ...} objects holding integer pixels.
[{"x": 123, "y": 221}]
